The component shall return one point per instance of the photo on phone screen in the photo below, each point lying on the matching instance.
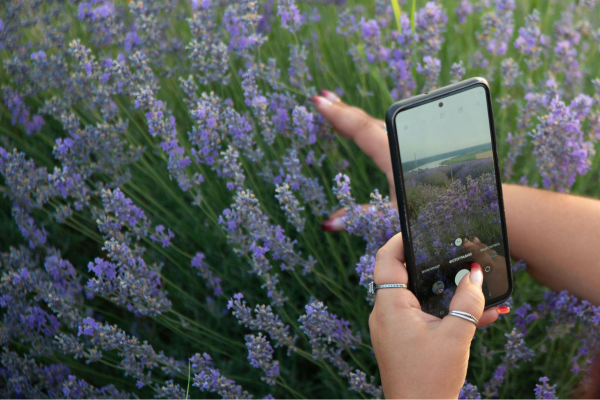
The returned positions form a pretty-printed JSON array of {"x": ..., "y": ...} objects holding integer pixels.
[{"x": 451, "y": 196}]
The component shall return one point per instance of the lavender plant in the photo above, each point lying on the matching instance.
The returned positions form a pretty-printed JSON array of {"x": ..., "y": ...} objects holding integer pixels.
[{"x": 164, "y": 175}]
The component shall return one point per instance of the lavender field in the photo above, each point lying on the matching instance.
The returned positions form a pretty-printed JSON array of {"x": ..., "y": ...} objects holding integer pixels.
[{"x": 164, "y": 175}]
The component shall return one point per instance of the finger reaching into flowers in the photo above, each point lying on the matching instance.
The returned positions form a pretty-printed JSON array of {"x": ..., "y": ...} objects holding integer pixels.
[
  {"x": 368, "y": 133},
  {"x": 353, "y": 123}
]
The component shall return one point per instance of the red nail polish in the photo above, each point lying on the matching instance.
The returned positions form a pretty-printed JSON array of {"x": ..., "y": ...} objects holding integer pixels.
[
  {"x": 475, "y": 265},
  {"x": 315, "y": 99},
  {"x": 333, "y": 225},
  {"x": 503, "y": 310},
  {"x": 327, "y": 226}
]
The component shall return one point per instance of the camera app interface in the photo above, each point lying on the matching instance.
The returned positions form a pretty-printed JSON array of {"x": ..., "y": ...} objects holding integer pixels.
[{"x": 452, "y": 197}]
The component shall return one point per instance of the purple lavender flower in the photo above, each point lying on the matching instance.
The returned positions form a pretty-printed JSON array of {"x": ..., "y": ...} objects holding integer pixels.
[
  {"x": 375, "y": 226},
  {"x": 291, "y": 19},
  {"x": 560, "y": 148},
  {"x": 205, "y": 272},
  {"x": 497, "y": 27},
  {"x": 24, "y": 377},
  {"x": 136, "y": 284},
  {"x": 255, "y": 99},
  {"x": 241, "y": 20},
  {"x": 20, "y": 113},
  {"x": 260, "y": 354},
  {"x": 516, "y": 350},
  {"x": 531, "y": 41},
  {"x": 478, "y": 60},
  {"x": 491, "y": 388},
  {"x": 138, "y": 359},
  {"x": 400, "y": 59},
  {"x": 567, "y": 62},
  {"x": 161, "y": 236},
  {"x": 208, "y": 378},
  {"x": 291, "y": 206},
  {"x": 264, "y": 319},
  {"x": 510, "y": 73},
  {"x": 430, "y": 68},
  {"x": 348, "y": 21},
  {"x": 358, "y": 383},
  {"x": 298, "y": 71},
  {"x": 523, "y": 317},
  {"x": 545, "y": 391},
  {"x": 430, "y": 25},
  {"x": 520, "y": 265},
  {"x": 463, "y": 9},
  {"x": 469, "y": 391},
  {"x": 322, "y": 328},
  {"x": 457, "y": 71}
]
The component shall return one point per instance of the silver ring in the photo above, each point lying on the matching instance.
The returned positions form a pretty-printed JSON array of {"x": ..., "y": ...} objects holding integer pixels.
[
  {"x": 373, "y": 287},
  {"x": 384, "y": 127},
  {"x": 464, "y": 315},
  {"x": 494, "y": 254}
]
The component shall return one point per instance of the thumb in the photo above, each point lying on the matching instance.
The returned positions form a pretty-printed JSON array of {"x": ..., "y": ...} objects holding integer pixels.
[{"x": 468, "y": 298}]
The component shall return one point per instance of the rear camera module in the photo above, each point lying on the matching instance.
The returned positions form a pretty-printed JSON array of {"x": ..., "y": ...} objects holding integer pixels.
[{"x": 441, "y": 104}]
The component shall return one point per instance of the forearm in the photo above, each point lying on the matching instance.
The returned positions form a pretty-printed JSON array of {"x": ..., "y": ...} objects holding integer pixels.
[{"x": 558, "y": 236}]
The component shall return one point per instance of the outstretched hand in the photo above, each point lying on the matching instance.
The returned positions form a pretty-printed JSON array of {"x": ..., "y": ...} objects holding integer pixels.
[{"x": 367, "y": 132}]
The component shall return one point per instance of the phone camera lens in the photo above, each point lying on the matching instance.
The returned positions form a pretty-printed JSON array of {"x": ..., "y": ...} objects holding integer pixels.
[{"x": 441, "y": 104}]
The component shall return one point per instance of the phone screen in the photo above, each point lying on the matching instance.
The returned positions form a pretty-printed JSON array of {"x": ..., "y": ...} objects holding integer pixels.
[{"x": 451, "y": 196}]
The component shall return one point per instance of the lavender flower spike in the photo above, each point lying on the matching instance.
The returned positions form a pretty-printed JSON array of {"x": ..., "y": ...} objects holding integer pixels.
[
  {"x": 430, "y": 68},
  {"x": 469, "y": 391},
  {"x": 457, "y": 71},
  {"x": 545, "y": 391},
  {"x": 291, "y": 19},
  {"x": 260, "y": 354}
]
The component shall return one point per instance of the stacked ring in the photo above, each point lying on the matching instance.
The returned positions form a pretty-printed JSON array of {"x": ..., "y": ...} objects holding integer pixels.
[{"x": 464, "y": 315}]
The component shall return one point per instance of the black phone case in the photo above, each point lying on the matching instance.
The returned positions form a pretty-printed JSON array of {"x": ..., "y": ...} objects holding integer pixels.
[{"x": 390, "y": 117}]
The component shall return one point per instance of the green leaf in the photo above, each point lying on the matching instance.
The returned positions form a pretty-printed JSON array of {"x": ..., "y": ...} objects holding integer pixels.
[
  {"x": 396, "y": 8},
  {"x": 187, "y": 393},
  {"x": 412, "y": 16}
]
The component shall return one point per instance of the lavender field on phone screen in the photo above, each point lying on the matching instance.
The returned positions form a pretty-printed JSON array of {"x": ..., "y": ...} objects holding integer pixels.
[
  {"x": 450, "y": 202},
  {"x": 164, "y": 175}
]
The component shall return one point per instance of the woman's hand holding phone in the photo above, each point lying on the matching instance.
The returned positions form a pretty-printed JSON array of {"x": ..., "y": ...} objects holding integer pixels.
[
  {"x": 419, "y": 355},
  {"x": 370, "y": 136}
]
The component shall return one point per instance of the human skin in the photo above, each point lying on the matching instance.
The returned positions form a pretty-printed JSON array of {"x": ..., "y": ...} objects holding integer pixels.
[
  {"x": 554, "y": 233},
  {"x": 430, "y": 353}
]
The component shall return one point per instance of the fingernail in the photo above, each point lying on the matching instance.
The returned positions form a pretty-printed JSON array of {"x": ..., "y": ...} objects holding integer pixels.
[
  {"x": 329, "y": 95},
  {"x": 503, "y": 310},
  {"x": 475, "y": 239},
  {"x": 476, "y": 274},
  {"x": 331, "y": 225},
  {"x": 321, "y": 101}
]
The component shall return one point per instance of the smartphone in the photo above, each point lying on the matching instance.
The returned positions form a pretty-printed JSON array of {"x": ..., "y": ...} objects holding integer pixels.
[{"x": 445, "y": 162}]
